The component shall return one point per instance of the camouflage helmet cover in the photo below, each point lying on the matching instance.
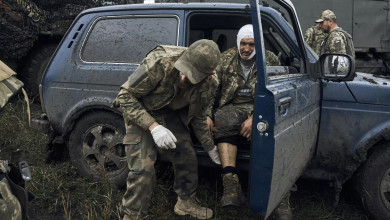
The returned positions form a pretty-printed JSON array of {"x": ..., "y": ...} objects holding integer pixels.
[
  {"x": 199, "y": 60},
  {"x": 326, "y": 15}
]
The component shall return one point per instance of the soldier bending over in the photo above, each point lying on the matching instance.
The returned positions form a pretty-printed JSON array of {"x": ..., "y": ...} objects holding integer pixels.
[{"x": 169, "y": 91}]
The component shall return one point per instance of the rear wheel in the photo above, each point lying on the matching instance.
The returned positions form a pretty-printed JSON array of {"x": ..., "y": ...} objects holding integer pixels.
[
  {"x": 372, "y": 183},
  {"x": 96, "y": 149},
  {"x": 35, "y": 66}
]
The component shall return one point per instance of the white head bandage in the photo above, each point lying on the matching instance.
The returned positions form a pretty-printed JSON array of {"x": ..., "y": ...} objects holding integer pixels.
[{"x": 245, "y": 32}]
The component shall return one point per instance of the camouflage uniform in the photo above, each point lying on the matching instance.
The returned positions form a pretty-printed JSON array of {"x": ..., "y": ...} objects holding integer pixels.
[
  {"x": 233, "y": 84},
  {"x": 338, "y": 40},
  {"x": 10, "y": 208},
  {"x": 146, "y": 98},
  {"x": 314, "y": 37},
  {"x": 335, "y": 43}
]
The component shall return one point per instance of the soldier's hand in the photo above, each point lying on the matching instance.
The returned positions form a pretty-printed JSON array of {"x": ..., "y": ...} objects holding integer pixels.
[
  {"x": 214, "y": 155},
  {"x": 246, "y": 128},
  {"x": 163, "y": 137},
  {"x": 210, "y": 125}
]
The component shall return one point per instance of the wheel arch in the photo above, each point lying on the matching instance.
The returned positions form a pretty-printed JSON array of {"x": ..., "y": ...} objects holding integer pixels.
[
  {"x": 371, "y": 138},
  {"x": 75, "y": 116}
]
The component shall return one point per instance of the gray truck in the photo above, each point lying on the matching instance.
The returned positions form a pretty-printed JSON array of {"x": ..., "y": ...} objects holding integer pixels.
[{"x": 308, "y": 121}]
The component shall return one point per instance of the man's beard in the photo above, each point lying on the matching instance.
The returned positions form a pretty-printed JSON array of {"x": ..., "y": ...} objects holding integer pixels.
[
  {"x": 183, "y": 85},
  {"x": 327, "y": 29}
]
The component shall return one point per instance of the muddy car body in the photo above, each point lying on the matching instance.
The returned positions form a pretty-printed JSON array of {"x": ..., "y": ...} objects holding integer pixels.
[{"x": 105, "y": 45}]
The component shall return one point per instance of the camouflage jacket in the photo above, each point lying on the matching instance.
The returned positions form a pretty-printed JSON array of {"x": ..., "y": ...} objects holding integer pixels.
[
  {"x": 314, "y": 37},
  {"x": 231, "y": 80},
  {"x": 154, "y": 85},
  {"x": 337, "y": 42}
]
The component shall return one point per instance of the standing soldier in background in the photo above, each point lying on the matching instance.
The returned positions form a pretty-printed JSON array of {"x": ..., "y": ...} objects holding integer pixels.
[
  {"x": 314, "y": 37},
  {"x": 168, "y": 92},
  {"x": 338, "y": 40}
]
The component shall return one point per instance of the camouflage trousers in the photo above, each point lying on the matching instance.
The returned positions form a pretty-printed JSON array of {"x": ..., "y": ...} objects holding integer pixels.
[
  {"x": 10, "y": 207},
  {"x": 228, "y": 120},
  {"x": 141, "y": 154}
]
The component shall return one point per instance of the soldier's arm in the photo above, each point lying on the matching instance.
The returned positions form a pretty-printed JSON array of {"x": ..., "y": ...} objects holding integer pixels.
[
  {"x": 338, "y": 44},
  {"x": 214, "y": 90},
  {"x": 271, "y": 59},
  {"x": 199, "y": 122},
  {"x": 139, "y": 84},
  {"x": 201, "y": 130},
  {"x": 309, "y": 37}
]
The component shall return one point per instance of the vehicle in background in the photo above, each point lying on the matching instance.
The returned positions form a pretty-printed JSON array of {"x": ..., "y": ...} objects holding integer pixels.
[
  {"x": 366, "y": 20},
  {"x": 32, "y": 29}
]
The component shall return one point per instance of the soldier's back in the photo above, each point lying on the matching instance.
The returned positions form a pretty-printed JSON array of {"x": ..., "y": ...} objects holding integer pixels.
[{"x": 336, "y": 42}]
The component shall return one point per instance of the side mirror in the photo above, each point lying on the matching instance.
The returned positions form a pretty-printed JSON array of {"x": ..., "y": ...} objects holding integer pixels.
[{"x": 337, "y": 67}]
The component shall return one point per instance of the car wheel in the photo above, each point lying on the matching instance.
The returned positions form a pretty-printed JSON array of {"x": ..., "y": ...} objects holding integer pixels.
[
  {"x": 35, "y": 67},
  {"x": 96, "y": 149},
  {"x": 372, "y": 183}
]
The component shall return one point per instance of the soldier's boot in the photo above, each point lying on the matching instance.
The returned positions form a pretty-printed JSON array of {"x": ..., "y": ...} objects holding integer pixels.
[
  {"x": 232, "y": 192},
  {"x": 191, "y": 207},
  {"x": 283, "y": 210}
]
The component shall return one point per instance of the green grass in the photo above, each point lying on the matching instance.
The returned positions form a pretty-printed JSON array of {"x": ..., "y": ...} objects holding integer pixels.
[{"x": 62, "y": 194}]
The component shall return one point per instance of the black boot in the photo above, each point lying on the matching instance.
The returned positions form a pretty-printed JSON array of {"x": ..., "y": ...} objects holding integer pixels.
[
  {"x": 232, "y": 192},
  {"x": 283, "y": 210}
]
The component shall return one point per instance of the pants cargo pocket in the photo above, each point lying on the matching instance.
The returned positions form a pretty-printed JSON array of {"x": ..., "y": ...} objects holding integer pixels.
[{"x": 133, "y": 147}]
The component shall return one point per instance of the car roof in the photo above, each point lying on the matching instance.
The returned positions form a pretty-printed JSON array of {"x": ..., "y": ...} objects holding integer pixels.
[{"x": 171, "y": 6}]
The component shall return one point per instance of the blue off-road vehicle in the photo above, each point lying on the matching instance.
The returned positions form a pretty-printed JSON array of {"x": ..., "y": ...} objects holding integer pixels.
[{"x": 301, "y": 116}]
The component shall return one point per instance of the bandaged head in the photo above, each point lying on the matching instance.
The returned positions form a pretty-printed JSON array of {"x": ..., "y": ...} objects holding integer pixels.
[{"x": 245, "y": 32}]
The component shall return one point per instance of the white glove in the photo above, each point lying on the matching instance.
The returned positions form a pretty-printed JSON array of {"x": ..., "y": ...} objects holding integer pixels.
[
  {"x": 163, "y": 137},
  {"x": 214, "y": 155}
]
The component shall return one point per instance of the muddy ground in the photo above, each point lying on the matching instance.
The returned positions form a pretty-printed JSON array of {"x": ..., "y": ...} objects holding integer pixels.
[{"x": 62, "y": 194}]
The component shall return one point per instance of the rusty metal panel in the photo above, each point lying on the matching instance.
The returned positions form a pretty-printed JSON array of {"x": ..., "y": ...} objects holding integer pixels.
[{"x": 370, "y": 25}]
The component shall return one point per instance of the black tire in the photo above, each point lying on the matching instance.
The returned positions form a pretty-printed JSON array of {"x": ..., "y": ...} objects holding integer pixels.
[
  {"x": 95, "y": 142},
  {"x": 35, "y": 66},
  {"x": 372, "y": 183}
]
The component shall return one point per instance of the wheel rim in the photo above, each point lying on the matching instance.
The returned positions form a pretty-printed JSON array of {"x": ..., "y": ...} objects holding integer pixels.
[
  {"x": 385, "y": 189},
  {"x": 103, "y": 149}
]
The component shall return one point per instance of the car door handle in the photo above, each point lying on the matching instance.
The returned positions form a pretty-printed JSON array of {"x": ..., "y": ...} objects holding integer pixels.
[{"x": 284, "y": 103}]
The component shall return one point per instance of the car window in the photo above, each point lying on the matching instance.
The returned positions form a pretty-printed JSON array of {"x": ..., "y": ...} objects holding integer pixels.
[
  {"x": 279, "y": 40},
  {"x": 128, "y": 39}
]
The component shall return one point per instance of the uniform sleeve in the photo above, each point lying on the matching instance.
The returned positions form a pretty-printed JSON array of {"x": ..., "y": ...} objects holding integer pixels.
[
  {"x": 337, "y": 44},
  {"x": 271, "y": 59},
  {"x": 139, "y": 84},
  {"x": 201, "y": 130},
  {"x": 216, "y": 83},
  {"x": 211, "y": 96},
  {"x": 309, "y": 37},
  {"x": 199, "y": 122}
]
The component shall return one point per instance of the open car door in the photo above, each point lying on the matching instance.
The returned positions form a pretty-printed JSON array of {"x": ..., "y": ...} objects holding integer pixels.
[{"x": 285, "y": 125}]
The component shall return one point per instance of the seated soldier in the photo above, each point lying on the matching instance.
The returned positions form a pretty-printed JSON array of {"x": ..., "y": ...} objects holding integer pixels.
[{"x": 237, "y": 74}]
